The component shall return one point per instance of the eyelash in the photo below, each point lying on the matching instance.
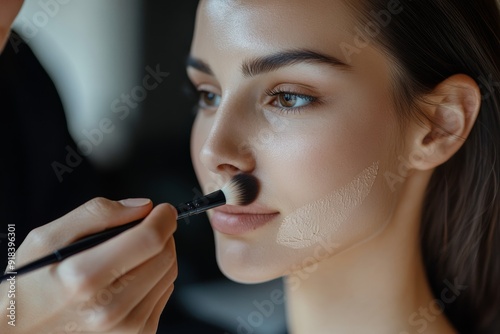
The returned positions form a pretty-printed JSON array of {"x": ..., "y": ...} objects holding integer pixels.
[
  {"x": 292, "y": 110},
  {"x": 269, "y": 92}
]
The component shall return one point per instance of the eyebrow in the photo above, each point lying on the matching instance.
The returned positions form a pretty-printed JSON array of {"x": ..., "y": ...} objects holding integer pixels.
[
  {"x": 259, "y": 65},
  {"x": 199, "y": 64}
]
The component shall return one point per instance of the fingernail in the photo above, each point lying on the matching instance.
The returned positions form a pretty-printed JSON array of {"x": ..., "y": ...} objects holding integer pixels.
[{"x": 135, "y": 202}]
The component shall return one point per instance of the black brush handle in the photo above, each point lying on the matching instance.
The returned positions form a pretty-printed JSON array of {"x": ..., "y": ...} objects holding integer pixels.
[
  {"x": 184, "y": 210},
  {"x": 202, "y": 204}
]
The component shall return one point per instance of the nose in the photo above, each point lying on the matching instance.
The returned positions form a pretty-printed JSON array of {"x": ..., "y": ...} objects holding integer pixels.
[{"x": 227, "y": 147}]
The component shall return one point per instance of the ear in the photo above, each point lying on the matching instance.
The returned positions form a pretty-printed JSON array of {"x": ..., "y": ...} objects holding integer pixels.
[{"x": 451, "y": 110}]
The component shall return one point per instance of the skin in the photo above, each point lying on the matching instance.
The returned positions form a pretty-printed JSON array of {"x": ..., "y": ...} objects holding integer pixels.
[
  {"x": 332, "y": 125},
  {"x": 303, "y": 155},
  {"x": 312, "y": 148},
  {"x": 120, "y": 286},
  {"x": 10, "y": 8}
]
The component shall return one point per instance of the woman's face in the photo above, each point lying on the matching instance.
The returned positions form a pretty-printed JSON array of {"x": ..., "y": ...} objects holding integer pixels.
[{"x": 291, "y": 95}]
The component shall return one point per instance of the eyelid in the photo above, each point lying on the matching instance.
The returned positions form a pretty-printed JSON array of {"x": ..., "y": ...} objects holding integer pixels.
[
  {"x": 275, "y": 92},
  {"x": 201, "y": 89},
  {"x": 296, "y": 88},
  {"x": 205, "y": 87},
  {"x": 199, "y": 80},
  {"x": 292, "y": 90}
]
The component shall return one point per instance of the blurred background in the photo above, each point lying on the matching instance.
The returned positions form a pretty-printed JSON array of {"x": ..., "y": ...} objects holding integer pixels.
[{"x": 95, "y": 104}]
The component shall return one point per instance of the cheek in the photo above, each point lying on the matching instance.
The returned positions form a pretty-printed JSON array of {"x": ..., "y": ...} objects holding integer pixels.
[
  {"x": 330, "y": 179},
  {"x": 322, "y": 157}
]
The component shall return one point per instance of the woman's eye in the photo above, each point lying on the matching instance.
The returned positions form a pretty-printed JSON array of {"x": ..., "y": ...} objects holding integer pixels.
[
  {"x": 289, "y": 100},
  {"x": 284, "y": 100},
  {"x": 208, "y": 100}
]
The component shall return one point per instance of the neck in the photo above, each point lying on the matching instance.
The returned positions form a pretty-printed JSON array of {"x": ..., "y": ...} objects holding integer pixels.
[{"x": 378, "y": 286}]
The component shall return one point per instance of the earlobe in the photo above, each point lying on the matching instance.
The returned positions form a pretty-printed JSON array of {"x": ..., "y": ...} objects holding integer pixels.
[{"x": 451, "y": 110}]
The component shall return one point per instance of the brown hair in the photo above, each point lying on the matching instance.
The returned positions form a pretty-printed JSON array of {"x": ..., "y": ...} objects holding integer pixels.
[{"x": 430, "y": 40}]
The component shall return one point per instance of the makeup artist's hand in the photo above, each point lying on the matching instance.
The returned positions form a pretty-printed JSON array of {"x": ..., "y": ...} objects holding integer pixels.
[{"x": 120, "y": 286}]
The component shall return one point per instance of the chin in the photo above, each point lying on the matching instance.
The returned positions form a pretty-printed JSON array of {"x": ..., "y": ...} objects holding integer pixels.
[
  {"x": 245, "y": 262},
  {"x": 244, "y": 274}
]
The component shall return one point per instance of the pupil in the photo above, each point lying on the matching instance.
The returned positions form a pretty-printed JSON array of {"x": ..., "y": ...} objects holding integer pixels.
[
  {"x": 209, "y": 97},
  {"x": 288, "y": 100}
]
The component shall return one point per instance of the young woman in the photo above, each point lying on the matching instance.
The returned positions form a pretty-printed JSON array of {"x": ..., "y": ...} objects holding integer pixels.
[{"x": 374, "y": 130}]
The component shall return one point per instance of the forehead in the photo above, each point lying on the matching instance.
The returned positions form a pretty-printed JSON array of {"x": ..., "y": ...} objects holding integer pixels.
[{"x": 263, "y": 26}]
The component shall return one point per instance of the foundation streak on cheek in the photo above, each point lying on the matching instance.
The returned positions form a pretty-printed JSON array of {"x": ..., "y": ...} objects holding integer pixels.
[{"x": 298, "y": 230}]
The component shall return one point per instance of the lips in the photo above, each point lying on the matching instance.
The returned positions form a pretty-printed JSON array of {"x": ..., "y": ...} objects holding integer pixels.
[{"x": 237, "y": 220}]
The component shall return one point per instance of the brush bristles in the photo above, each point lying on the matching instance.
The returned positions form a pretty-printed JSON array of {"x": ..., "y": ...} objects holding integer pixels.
[{"x": 242, "y": 189}]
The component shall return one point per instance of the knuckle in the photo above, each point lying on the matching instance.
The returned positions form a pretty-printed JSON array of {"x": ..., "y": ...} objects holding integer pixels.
[
  {"x": 38, "y": 238},
  {"x": 167, "y": 209},
  {"x": 78, "y": 284},
  {"x": 99, "y": 207},
  {"x": 153, "y": 239},
  {"x": 130, "y": 325},
  {"x": 168, "y": 256},
  {"x": 106, "y": 320},
  {"x": 169, "y": 214}
]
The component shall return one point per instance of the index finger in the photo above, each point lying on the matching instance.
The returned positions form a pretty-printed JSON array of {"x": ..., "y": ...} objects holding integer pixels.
[{"x": 96, "y": 267}]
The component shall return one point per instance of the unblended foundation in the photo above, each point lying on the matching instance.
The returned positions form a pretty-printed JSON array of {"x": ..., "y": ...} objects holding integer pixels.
[{"x": 299, "y": 231}]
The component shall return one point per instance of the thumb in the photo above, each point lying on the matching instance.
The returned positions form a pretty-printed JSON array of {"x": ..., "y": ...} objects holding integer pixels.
[{"x": 94, "y": 216}]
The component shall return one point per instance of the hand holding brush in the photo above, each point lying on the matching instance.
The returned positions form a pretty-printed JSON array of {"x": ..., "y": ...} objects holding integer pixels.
[
  {"x": 242, "y": 189},
  {"x": 120, "y": 285}
]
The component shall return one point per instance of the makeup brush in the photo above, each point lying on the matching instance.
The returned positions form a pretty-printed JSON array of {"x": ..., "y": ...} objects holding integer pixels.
[{"x": 242, "y": 189}]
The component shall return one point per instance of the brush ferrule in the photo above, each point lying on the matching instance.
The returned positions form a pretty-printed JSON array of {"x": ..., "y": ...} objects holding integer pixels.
[{"x": 198, "y": 205}]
